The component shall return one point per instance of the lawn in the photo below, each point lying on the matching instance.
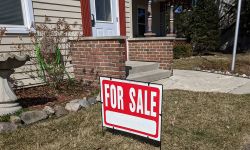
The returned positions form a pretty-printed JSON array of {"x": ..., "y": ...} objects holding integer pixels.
[
  {"x": 191, "y": 121},
  {"x": 217, "y": 62}
]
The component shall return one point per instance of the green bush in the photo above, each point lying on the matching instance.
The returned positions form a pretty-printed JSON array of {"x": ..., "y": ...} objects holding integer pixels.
[
  {"x": 182, "y": 51},
  {"x": 205, "y": 26},
  {"x": 200, "y": 25}
]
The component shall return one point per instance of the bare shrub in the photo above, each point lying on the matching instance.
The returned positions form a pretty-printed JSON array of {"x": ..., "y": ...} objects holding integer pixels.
[{"x": 49, "y": 41}]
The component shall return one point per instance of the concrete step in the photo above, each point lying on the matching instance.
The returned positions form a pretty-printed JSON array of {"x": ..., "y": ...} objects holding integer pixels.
[
  {"x": 150, "y": 76},
  {"x": 133, "y": 67}
]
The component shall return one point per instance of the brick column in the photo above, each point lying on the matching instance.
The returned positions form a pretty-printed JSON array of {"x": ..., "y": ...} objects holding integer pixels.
[{"x": 95, "y": 57}]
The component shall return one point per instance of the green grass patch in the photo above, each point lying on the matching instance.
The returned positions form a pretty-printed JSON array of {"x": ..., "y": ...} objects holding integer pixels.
[
  {"x": 6, "y": 118},
  {"x": 191, "y": 120}
]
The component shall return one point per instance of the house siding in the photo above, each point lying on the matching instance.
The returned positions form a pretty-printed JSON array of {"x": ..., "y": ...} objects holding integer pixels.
[
  {"x": 70, "y": 10},
  {"x": 128, "y": 11}
]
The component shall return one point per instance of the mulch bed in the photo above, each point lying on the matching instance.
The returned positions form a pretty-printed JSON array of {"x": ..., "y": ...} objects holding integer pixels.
[{"x": 38, "y": 97}]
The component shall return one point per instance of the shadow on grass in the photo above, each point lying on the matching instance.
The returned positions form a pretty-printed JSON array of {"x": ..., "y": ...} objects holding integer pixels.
[
  {"x": 35, "y": 101},
  {"x": 133, "y": 136}
]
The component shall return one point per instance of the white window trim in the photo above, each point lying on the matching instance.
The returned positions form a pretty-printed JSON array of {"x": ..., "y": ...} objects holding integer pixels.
[{"x": 28, "y": 18}]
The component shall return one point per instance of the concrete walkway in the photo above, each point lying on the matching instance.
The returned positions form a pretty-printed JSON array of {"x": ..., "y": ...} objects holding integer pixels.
[{"x": 206, "y": 82}]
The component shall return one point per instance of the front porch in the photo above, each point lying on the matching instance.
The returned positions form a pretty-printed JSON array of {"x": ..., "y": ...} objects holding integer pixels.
[
  {"x": 144, "y": 59},
  {"x": 146, "y": 36},
  {"x": 155, "y": 18}
]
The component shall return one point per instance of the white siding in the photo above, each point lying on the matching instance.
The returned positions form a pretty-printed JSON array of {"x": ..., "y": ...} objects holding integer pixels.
[
  {"x": 128, "y": 10},
  {"x": 54, "y": 9}
]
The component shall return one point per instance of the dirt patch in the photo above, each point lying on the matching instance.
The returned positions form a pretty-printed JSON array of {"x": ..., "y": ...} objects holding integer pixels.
[{"x": 38, "y": 97}]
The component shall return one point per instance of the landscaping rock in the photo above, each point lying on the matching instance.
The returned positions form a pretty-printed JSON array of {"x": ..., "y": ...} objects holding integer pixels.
[
  {"x": 98, "y": 98},
  {"x": 30, "y": 117},
  {"x": 84, "y": 103},
  {"x": 49, "y": 110},
  {"x": 15, "y": 120},
  {"x": 244, "y": 75},
  {"x": 7, "y": 127},
  {"x": 60, "y": 111},
  {"x": 73, "y": 106},
  {"x": 92, "y": 100},
  {"x": 228, "y": 73},
  {"x": 75, "y": 101},
  {"x": 197, "y": 68}
]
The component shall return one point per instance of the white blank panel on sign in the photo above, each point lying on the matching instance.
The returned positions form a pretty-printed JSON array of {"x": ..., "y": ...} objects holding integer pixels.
[{"x": 131, "y": 122}]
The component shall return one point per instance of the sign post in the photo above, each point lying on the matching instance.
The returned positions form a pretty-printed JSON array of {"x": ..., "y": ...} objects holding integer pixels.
[{"x": 132, "y": 107}]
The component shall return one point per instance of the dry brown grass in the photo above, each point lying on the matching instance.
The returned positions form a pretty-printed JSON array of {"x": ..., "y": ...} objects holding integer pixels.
[
  {"x": 219, "y": 62},
  {"x": 191, "y": 120}
]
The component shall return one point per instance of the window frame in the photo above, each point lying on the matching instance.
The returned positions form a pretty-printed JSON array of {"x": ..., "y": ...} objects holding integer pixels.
[
  {"x": 28, "y": 19},
  {"x": 111, "y": 9}
]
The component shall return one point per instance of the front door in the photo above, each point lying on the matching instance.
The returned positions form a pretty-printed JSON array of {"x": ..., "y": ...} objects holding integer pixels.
[{"x": 104, "y": 17}]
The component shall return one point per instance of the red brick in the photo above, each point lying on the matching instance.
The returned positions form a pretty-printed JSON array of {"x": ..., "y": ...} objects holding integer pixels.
[
  {"x": 160, "y": 51},
  {"x": 98, "y": 58}
]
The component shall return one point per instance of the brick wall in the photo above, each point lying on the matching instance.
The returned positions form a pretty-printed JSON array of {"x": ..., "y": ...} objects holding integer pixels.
[
  {"x": 153, "y": 50},
  {"x": 94, "y": 57},
  {"x": 181, "y": 42}
]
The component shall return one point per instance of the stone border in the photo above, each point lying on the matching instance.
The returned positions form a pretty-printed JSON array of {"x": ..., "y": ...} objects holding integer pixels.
[
  {"x": 223, "y": 73},
  {"x": 30, "y": 117}
]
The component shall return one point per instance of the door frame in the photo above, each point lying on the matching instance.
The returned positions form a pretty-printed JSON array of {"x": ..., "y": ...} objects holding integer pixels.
[{"x": 86, "y": 18}]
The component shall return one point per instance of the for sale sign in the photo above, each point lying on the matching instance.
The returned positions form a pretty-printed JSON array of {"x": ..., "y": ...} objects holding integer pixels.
[{"x": 133, "y": 107}]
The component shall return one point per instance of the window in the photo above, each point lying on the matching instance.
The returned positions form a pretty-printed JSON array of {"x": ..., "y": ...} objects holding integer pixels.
[
  {"x": 16, "y": 15},
  {"x": 141, "y": 21},
  {"x": 103, "y": 10}
]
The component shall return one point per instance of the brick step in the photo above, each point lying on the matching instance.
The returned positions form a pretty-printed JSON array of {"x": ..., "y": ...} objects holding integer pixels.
[
  {"x": 150, "y": 76},
  {"x": 133, "y": 67}
]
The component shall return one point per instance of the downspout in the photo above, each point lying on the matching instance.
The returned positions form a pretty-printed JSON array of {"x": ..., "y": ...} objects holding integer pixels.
[{"x": 127, "y": 49}]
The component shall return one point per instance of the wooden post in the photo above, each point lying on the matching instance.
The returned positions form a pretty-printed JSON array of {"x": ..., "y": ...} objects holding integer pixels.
[
  {"x": 149, "y": 32},
  {"x": 171, "y": 22}
]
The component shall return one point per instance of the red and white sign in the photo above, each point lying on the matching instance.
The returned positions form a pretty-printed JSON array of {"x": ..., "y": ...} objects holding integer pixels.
[{"x": 133, "y": 107}]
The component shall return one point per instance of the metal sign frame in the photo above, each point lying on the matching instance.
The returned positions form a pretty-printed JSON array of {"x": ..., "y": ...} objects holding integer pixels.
[{"x": 119, "y": 116}]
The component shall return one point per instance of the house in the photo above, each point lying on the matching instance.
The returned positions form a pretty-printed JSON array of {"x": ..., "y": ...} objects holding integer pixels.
[
  {"x": 19, "y": 23},
  {"x": 122, "y": 21},
  {"x": 122, "y": 34},
  {"x": 131, "y": 18}
]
